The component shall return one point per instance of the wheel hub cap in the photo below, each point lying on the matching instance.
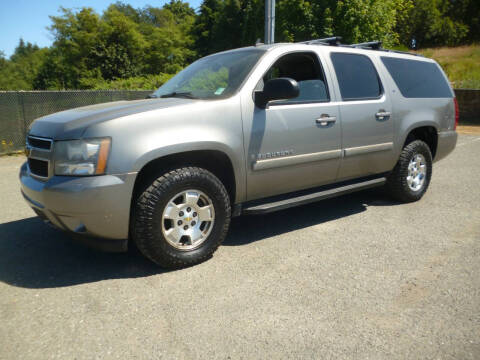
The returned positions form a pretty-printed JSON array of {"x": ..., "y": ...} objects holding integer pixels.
[
  {"x": 188, "y": 219},
  {"x": 417, "y": 172}
]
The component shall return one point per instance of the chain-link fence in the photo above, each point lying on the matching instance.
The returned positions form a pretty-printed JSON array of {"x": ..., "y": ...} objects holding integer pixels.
[{"x": 19, "y": 108}]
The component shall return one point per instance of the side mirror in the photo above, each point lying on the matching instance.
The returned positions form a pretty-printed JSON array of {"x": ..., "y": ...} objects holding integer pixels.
[{"x": 276, "y": 89}]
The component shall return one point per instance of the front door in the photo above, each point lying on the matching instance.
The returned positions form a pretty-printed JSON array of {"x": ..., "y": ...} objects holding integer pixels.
[{"x": 294, "y": 144}]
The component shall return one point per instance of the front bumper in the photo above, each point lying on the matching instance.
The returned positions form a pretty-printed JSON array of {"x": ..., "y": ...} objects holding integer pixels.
[
  {"x": 90, "y": 207},
  {"x": 447, "y": 140}
]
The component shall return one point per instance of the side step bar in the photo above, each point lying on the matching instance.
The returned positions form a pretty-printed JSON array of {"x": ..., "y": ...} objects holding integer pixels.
[{"x": 313, "y": 197}]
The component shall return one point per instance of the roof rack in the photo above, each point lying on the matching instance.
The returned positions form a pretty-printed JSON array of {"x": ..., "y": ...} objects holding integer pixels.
[
  {"x": 332, "y": 41},
  {"x": 374, "y": 45},
  {"x": 370, "y": 45}
]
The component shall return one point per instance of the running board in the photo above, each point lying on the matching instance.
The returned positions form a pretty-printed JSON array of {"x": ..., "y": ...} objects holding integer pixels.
[{"x": 313, "y": 197}]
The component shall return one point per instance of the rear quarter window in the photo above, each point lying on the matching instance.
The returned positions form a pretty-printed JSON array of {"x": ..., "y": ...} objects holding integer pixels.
[
  {"x": 417, "y": 79},
  {"x": 357, "y": 77}
]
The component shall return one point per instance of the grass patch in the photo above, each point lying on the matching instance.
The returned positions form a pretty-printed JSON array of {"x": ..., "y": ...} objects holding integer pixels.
[
  {"x": 462, "y": 64},
  {"x": 13, "y": 153},
  {"x": 468, "y": 129}
]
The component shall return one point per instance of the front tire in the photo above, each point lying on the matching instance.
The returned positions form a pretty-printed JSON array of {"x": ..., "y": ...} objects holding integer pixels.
[
  {"x": 411, "y": 176},
  {"x": 182, "y": 217}
]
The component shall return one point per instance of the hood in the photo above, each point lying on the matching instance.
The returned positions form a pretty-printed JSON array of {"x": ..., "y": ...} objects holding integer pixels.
[{"x": 71, "y": 124}]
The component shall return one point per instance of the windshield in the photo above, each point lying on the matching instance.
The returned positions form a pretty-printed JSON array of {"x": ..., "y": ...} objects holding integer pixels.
[{"x": 212, "y": 77}]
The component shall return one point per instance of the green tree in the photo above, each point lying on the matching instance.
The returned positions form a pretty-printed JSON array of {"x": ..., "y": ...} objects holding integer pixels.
[
  {"x": 429, "y": 21},
  {"x": 361, "y": 20},
  {"x": 75, "y": 37},
  {"x": 170, "y": 43},
  {"x": 20, "y": 70},
  {"x": 124, "y": 42},
  {"x": 227, "y": 24},
  {"x": 253, "y": 12},
  {"x": 120, "y": 50},
  {"x": 7, "y": 78},
  {"x": 181, "y": 11},
  {"x": 205, "y": 22},
  {"x": 465, "y": 12},
  {"x": 296, "y": 21},
  {"x": 228, "y": 28},
  {"x": 53, "y": 74},
  {"x": 125, "y": 46}
]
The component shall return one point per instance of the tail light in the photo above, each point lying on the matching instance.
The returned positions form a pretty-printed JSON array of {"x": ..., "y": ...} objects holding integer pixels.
[{"x": 457, "y": 113}]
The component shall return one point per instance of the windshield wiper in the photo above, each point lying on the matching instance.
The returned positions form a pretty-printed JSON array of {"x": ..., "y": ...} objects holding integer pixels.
[{"x": 187, "y": 95}]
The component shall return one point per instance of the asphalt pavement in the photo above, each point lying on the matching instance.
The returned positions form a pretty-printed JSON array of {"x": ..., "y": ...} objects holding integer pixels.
[{"x": 356, "y": 277}]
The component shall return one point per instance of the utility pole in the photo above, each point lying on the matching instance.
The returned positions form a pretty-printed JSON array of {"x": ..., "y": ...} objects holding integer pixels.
[{"x": 269, "y": 21}]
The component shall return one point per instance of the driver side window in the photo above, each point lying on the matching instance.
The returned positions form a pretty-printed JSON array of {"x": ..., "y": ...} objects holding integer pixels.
[{"x": 304, "y": 68}]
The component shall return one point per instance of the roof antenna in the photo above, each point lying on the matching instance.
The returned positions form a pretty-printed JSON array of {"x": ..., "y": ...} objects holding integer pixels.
[
  {"x": 258, "y": 42},
  {"x": 374, "y": 45},
  {"x": 333, "y": 41}
]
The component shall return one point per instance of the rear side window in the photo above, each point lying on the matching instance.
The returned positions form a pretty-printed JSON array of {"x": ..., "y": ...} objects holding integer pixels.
[
  {"x": 357, "y": 77},
  {"x": 417, "y": 79}
]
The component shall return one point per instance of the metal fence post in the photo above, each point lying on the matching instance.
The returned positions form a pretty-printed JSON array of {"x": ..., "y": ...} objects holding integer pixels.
[
  {"x": 269, "y": 21},
  {"x": 22, "y": 101}
]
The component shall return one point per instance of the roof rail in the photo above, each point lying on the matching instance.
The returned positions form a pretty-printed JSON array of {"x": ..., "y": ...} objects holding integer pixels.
[
  {"x": 334, "y": 40},
  {"x": 403, "y": 52},
  {"x": 371, "y": 45},
  {"x": 374, "y": 45}
]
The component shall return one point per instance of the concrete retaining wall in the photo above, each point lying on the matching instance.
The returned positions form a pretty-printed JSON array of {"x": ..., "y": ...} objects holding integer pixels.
[{"x": 469, "y": 105}]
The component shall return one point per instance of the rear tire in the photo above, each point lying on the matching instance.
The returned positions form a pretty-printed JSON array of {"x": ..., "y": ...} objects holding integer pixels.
[
  {"x": 411, "y": 176},
  {"x": 182, "y": 217}
]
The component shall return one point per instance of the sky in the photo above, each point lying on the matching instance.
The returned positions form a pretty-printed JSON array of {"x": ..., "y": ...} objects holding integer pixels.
[{"x": 28, "y": 19}]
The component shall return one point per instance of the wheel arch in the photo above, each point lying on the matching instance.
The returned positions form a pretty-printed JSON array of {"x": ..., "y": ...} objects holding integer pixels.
[
  {"x": 428, "y": 133},
  {"x": 215, "y": 161}
]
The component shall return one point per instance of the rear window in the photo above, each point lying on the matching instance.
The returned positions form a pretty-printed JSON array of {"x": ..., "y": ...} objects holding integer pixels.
[
  {"x": 417, "y": 79},
  {"x": 357, "y": 77}
]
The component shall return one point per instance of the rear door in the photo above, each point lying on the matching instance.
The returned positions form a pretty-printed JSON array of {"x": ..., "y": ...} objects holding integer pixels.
[{"x": 366, "y": 113}]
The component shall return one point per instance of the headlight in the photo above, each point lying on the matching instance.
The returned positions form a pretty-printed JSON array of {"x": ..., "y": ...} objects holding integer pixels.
[{"x": 81, "y": 157}]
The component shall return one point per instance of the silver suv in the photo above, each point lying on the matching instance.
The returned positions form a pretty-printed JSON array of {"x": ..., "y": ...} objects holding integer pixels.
[{"x": 247, "y": 131}]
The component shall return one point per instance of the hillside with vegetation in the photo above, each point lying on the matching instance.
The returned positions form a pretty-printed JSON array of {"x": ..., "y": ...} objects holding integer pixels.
[
  {"x": 462, "y": 64},
  {"x": 128, "y": 48}
]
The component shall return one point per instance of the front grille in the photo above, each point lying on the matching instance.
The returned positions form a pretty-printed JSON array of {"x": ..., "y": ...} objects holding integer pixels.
[
  {"x": 39, "y": 143},
  {"x": 40, "y": 154},
  {"x": 38, "y": 167}
]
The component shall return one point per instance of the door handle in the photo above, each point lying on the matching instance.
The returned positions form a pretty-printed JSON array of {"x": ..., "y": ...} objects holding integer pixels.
[
  {"x": 325, "y": 120},
  {"x": 383, "y": 115}
]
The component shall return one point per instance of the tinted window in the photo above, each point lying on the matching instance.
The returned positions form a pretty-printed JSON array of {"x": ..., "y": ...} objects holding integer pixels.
[
  {"x": 306, "y": 70},
  {"x": 356, "y": 76},
  {"x": 417, "y": 79}
]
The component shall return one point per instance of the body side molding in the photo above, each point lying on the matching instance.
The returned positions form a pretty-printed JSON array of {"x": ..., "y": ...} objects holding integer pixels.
[
  {"x": 360, "y": 150},
  {"x": 295, "y": 159}
]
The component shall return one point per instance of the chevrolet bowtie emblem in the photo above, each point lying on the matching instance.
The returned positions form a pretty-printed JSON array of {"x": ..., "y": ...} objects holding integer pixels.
[{"x": 188, "y": 219}]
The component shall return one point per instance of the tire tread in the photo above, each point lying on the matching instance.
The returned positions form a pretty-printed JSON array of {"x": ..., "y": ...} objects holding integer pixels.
[
  {"x": 146, "y": 206},
  {"x": 397, "y": 184}
]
